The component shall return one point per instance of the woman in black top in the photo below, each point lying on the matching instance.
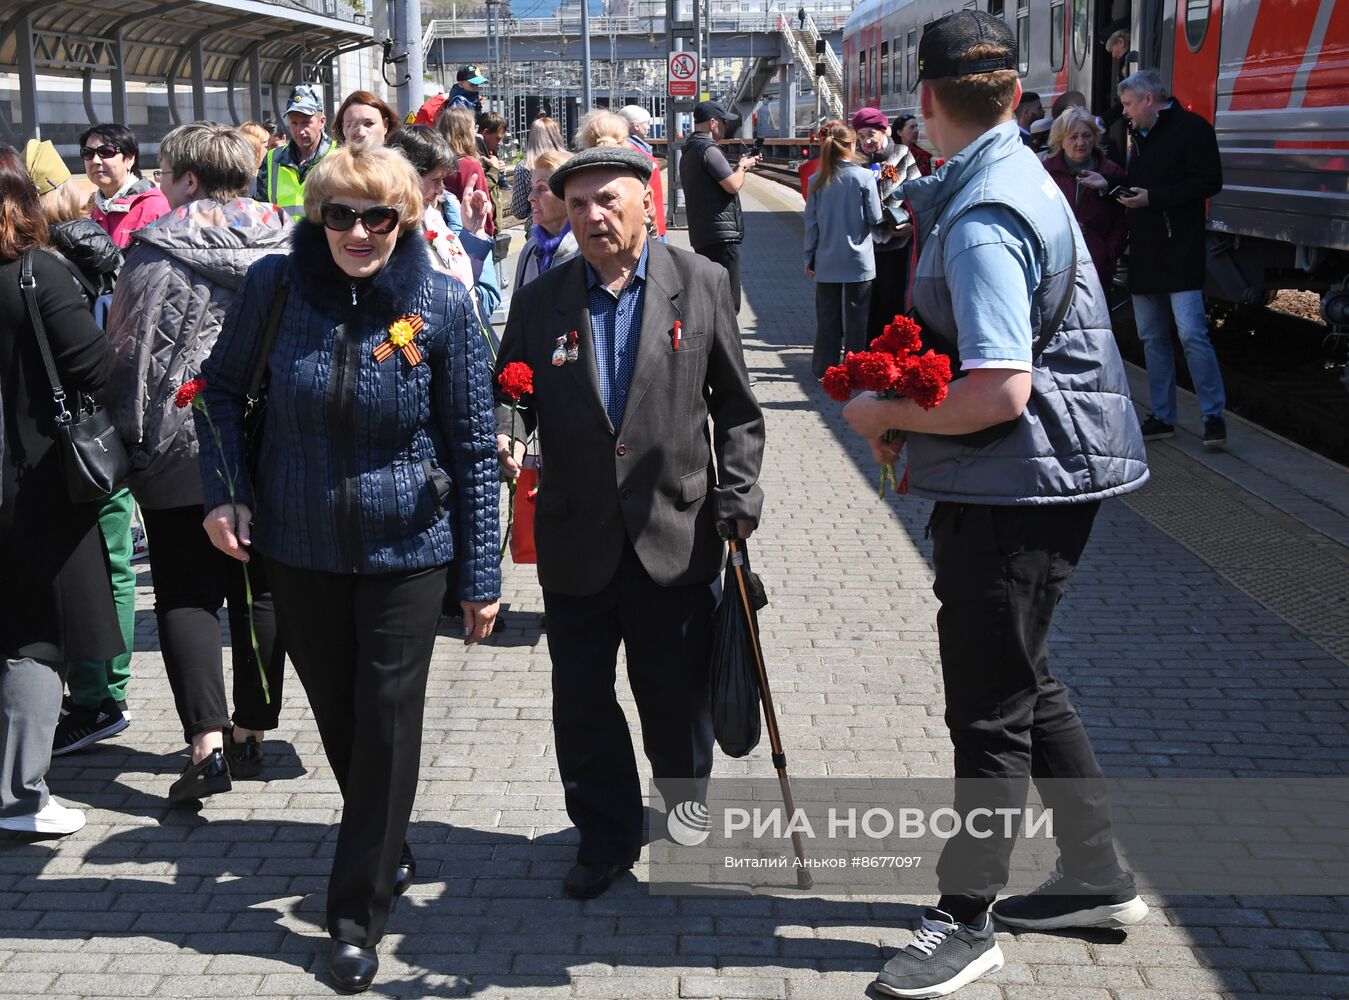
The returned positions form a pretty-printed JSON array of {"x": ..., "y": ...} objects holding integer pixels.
[{"x": 54, "y": 591}]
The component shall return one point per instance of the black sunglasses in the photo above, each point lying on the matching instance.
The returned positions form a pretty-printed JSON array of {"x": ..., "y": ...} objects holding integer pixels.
[
  {"x": 104, "y": 152},
  {"x": 377, "y": 221}
]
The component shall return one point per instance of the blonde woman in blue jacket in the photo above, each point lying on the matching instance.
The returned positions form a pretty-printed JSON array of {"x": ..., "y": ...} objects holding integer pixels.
[{"x": 842, "y": 210}]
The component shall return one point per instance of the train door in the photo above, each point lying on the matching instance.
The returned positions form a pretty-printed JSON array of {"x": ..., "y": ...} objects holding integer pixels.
[{"x": 1194, "y": 69}]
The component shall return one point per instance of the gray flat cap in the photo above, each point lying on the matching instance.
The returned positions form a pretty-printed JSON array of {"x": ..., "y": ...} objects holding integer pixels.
[{"x": 613, "y": 157}]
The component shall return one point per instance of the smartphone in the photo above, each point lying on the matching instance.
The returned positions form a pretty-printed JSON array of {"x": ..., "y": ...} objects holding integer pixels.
[
  {"x": 758, "y": 147},
  {"x": 1119, "y": 190}
]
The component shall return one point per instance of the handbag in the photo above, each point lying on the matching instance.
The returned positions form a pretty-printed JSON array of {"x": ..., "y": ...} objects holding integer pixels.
[
  {"x": 733, "y": 676},
  {"x": 522, "y": 524},
  {"x": 93, "y": 458},
  {"x": 255, "y": 401}
]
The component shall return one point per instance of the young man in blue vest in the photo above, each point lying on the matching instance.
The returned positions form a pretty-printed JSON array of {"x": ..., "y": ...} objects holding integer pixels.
[{"x": 1038, "y": 428}]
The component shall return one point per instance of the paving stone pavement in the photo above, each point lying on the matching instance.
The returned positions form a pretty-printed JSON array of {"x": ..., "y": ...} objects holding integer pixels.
[{"x": 1175, "y": 670}]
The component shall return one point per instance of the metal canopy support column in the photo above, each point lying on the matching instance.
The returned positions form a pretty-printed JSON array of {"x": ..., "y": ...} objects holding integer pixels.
[
  {"x": 119, "y": 102},
  {"x": 198, "y": 81},
  {"x": 23, "y": 38},
  {"x": 255, "y": 82}
]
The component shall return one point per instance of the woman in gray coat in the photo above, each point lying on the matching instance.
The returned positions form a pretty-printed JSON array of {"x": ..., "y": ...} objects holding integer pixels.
[
  {"x": 842, "y": 211},
  {"x": 178, "y": 281},
  {"x": 893, "y": 165}
]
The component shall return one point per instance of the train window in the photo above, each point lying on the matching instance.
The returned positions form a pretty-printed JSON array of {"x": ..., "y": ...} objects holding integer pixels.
[
  {"x": 1081, "y": 27},
  {"x": 862, "y": 77},
  {"x": 911, "y": 56},
  {"x": 1056, "y": 12},
  {"x": 1023, "y": 36},
  {"x": 897, "y": 83},
  {"x": 885, "y": 67},
  {"x": 1196, "y": 23},
  {"x": 995, "y": 7}
]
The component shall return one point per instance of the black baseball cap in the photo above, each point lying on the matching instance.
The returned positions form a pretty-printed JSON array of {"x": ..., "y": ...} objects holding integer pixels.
[
  {"x": 470, "y": 74},
  {"x": 941, "y": 53},
  {"x": 707, "y": 110}
]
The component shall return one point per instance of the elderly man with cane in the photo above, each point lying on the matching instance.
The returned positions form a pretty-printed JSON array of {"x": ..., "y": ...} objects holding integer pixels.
[{"x": 633, "y": 346}]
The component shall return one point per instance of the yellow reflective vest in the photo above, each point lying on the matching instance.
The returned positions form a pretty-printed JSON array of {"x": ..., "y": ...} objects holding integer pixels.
[{"x": 285, "y": 187}]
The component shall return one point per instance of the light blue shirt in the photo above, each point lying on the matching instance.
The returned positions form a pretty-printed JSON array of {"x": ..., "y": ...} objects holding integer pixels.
[{"x": 992, "y": 269}]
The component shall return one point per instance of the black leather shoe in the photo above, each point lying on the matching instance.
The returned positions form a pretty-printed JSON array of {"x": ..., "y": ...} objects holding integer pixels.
[
  {"x": 207, "y": 777},
  {"x": 245, "y": 759},
  {"x": 353, "y": 968},
  {"x": 588, "y": 881},
  {"x": 406, "y": 871}
]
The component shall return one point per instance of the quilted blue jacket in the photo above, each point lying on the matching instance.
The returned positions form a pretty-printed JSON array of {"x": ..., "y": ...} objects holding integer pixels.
[{"x": 364, "y": 466}]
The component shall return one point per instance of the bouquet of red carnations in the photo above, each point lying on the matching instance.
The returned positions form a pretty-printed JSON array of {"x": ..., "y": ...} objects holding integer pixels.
[{"x": 892, "y": 369}]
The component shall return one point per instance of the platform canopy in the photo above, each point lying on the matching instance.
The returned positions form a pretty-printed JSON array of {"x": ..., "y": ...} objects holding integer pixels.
[{"x": 242, "y": 45}]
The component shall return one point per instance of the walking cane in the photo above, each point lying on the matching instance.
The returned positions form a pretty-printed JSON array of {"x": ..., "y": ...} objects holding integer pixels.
[{"x": 803, "y": 877}]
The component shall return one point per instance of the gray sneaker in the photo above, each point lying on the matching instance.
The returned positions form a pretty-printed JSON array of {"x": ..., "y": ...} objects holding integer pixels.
[{"x": 942, "y": 957}]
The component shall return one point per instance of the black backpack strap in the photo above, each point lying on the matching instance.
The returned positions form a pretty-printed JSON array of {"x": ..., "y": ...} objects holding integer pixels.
[
  {"x": 258, "y": 378},
  {"x": 1047, "y": 330},
  {"x": 28, "y": 286}
]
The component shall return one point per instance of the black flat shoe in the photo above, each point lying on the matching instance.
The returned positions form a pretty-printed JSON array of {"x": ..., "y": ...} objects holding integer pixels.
[
  {"x": 353, "y": 968},
  {"x": 588, "y": 881},
  {"x": 406, "y": 871},
  {"x": 245, "y": 759},
  {"x": 208, "y": 777}
]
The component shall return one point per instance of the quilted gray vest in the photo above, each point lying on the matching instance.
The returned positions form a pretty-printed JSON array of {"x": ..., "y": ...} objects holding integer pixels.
[{"x": 1078, "y": 438}]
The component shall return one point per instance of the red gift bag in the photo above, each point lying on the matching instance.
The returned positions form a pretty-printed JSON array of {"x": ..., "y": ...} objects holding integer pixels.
[{"x": 522, "y": 531}]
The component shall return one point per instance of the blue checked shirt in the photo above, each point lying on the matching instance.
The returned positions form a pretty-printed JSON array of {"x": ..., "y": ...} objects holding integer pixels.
[{"x": 615, "y": 327}]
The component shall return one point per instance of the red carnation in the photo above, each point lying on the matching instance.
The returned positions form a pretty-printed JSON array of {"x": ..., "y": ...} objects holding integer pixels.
[
  {"x": 837, "y": 385},
  {"x": 872, "y": 370},
  {"x": 188, "y": 392},
  {"x": 431, "y": 235},
  {"x": 516, "y": 380},
  {"x": 926, "y": 378},
  {"x": 900, "y": 337}
]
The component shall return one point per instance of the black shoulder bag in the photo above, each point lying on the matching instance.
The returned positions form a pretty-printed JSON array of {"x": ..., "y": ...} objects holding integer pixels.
[
  {"x": 92, "y": 455},
  {"x": 255, "y": 403}
]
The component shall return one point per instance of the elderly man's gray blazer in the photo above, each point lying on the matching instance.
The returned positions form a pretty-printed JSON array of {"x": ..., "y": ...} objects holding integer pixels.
[{"x": 665, "y": 477}]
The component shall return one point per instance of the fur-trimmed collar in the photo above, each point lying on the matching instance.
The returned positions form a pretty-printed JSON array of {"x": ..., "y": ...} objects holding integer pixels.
[{"x": 383, "y": 298}]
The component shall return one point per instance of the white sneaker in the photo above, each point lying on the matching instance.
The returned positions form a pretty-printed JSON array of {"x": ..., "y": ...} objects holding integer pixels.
[{"x": 51, "y": 818}]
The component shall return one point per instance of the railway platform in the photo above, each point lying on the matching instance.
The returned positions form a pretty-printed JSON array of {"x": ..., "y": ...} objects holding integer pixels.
[{"x": 1206, "y": 634}]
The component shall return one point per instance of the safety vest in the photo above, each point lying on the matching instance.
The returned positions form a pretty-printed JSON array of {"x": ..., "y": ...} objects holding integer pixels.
[{"x": 285, "y": 189}]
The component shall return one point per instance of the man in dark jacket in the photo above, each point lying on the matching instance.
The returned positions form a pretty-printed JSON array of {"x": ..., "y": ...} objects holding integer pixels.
[
  {"x": 634, "y": 347},
  {"x": 1173, "y": 169},
  {"x": 465, "y": 91},
  {"x": 712, "y": 192}
]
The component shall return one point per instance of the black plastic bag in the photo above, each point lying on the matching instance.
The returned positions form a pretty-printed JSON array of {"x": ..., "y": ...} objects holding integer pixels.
[{"x": 735, "y": 674}]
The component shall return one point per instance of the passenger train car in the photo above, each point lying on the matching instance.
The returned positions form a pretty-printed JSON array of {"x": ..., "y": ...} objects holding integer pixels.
[{"x": 1272, "y": 75}]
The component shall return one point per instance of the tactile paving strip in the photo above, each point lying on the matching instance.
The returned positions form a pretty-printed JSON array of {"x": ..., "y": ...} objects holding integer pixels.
[{"x": 1294, "y": 571}]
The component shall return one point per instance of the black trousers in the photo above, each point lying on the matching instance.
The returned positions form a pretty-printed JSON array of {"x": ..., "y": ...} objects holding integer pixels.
[
  {"x": 887, "y": 291},
  {"x": 666, "y": 633},
  {"x": 840, "y": 322},
  {"x": 728, "y": 256},
  {"x": 362, "y": 647},
  {"x": 1000, "y": 573},
  {"x": 193, "y": 579}
]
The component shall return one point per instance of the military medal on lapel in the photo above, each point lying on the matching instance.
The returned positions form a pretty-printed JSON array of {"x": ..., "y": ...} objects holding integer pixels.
[
  {"x": 402, "y": 334},
  {"x": 567, "y": 349}
]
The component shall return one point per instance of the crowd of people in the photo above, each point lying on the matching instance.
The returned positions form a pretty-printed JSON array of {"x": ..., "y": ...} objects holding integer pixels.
[
  {"x": 1147, "y": 197},
  {"x": 292, "y": 338}
]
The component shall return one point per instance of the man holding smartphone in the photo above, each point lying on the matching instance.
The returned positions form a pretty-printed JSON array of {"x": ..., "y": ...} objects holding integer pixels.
[
  {"x": 712, "y": 191},
  {"x": 1174, "y": 168}
]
